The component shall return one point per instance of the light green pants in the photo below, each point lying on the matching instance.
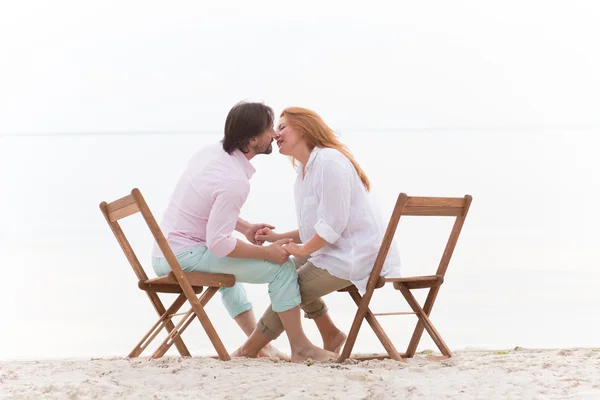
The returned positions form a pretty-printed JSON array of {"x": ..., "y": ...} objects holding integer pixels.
[{"x": 282, "y": 279}]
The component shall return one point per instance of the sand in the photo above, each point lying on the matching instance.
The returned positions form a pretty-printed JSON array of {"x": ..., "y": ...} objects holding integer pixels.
[{"x": 517, "y": 373}]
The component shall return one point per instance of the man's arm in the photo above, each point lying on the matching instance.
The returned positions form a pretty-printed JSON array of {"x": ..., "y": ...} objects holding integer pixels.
[
  {"x": 224, "y": 218},
  {"x": 274, "y": 253},
  {"x": 242, "y": 225}
]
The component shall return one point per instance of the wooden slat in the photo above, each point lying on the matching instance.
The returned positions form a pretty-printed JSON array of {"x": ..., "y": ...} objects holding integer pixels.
[
  {"x": 196, "y": 279},
  {"x": 166, "y": 288},
  {"x": 417, "y": 282},
  {"x": 352, "y": 288},
  {"x": 121, "y": 208},
  {"x": 120, "y": 203},
  {"x": 433, "y": 211},
  {"x": 385, "y": 314},
  {"x": 123, "y": 212},
  {"x": 455, "y": 202}
]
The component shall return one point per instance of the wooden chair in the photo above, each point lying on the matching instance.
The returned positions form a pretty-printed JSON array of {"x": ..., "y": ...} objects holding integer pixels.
[
  {"x": 186, "y": 284},
  {"x": 408, "y": 206}
]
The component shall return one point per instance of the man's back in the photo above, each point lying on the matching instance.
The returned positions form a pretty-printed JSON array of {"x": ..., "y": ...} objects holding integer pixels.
[{"x": 210, "y": 173}]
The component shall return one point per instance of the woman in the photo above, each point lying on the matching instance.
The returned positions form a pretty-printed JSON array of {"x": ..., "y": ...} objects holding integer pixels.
[{"x": 339, "y": 233}]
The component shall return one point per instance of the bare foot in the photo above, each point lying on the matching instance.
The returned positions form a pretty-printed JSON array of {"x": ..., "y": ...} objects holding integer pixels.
[
  {"x": 312, "y": 352},
  {"x": 270, "y": 351},
  {"x": 241, "y": 353},
  {"x": 335, "y": 343}
]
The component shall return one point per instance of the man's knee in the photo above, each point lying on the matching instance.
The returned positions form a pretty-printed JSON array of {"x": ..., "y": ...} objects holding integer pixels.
[{"x": 235, "y": 300}]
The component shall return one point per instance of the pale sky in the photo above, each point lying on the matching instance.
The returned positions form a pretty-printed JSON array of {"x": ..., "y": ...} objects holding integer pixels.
[
  {"x": 120, "y": 66},
  {"x": 496, "y": 99}
]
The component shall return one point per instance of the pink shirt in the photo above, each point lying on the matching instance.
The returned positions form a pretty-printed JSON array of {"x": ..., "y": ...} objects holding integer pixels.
[{"x": 206, "y": 203}]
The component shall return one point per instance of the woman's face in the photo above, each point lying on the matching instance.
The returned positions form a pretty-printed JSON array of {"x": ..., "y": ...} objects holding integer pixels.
[{"x": 287, "y": 138}]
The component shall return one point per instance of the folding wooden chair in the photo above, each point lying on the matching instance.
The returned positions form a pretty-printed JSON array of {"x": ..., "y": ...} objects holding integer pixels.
[
  {"x": 413, "y": 206},
  {"x": 186, "y": 284}
]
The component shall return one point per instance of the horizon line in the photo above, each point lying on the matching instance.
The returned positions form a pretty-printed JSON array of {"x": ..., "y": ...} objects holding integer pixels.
[{"x": 527, "y": 128}]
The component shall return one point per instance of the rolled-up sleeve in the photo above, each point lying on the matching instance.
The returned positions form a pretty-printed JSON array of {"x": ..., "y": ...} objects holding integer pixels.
[
  {"x": 334, "y": 189},
  {"x": 223, "y": 216}
]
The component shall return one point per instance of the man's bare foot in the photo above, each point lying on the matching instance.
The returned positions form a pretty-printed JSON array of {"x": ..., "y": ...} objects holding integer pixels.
[
  {"x": 312, "y": 352},
  {"x": 270, "y": 351},
  {"x": 335, "y": 343}
]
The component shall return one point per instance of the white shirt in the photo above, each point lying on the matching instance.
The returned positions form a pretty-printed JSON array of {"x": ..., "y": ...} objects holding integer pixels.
[{"x": 332, "y": 201}]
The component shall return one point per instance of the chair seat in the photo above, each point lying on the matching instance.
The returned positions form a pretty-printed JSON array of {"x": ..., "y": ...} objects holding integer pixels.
[
  {"x": 198, "y": 280},
  {"x": 352, "y": 288},
  {"x": 417, "y": 282}
]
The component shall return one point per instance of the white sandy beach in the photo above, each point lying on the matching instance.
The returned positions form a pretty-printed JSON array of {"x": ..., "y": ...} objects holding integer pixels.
[{"x": 519, "y": 373}]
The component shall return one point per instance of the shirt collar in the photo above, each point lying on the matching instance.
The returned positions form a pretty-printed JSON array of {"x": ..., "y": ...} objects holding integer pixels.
[
  {"x": 313, "y": 155},
  {"x": 244, "y": 162}
]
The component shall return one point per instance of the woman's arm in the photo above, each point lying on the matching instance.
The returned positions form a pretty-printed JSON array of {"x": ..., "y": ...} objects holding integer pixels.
[
  {"x": 268, "y": 235},
  {"x": 298, "y": 250}
]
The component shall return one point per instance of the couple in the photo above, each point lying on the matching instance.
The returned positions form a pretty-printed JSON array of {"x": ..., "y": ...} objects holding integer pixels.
[{"x": 335, "y": 246}]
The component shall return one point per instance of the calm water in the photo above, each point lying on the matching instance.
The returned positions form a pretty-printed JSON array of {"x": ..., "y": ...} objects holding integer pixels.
[{"x": 525, "y": 271}]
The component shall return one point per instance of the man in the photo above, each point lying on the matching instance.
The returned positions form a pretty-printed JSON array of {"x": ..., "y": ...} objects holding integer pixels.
[{"x": 203, "y": 213}]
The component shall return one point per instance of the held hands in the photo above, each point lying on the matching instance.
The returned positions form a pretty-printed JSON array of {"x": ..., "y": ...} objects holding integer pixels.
[
  {"x": 296, "y": 250},
  {"x": 266, "y": 235},
  {"x": 252, "y": 233},
  {"x": 276, "y": 253}
]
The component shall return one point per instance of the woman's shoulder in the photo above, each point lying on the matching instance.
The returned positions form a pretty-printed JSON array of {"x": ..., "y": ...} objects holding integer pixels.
[{"x": 331, "y": 154}]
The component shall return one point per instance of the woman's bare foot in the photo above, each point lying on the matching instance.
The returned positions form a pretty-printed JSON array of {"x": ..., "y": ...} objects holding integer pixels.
[
  {"x": 270, "y": 351},
  {"x": 315, "y": 353},
  {"x": 335, "y": 343},
  {"x": 241, "y": 352}
]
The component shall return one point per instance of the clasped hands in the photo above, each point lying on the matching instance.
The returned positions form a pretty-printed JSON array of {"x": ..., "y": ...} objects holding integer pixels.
[{"x": 266, "y": 234}]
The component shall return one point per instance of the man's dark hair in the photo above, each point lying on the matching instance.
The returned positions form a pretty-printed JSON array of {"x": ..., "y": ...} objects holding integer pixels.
[{"x": 245, "y": 121}]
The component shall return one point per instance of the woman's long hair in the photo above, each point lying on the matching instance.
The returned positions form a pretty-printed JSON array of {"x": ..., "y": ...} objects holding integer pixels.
[{"x": 318, "y": 134}]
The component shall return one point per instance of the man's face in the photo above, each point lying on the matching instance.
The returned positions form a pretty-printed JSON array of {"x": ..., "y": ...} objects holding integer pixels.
[{"x": 263, "y": 144}]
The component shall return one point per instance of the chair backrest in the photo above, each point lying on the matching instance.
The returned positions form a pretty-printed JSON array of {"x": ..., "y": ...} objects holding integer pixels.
[
  {"x": 129, "y": 205},
  {"x": 457, "y": 207}
]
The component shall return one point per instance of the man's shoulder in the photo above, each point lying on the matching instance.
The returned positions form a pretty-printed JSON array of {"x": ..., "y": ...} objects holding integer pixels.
[{"x": 213, "y": 150}]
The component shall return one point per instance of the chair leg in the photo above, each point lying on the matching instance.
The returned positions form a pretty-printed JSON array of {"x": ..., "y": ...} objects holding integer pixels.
[
  {"x": 197, "y": 309},
  {"x": 351, "y": 339},
  {"x": 168, "y": 326},
  {"x": 209, "y": 328},
  {"x": 381, "y": 335},
  {"x": 418, "y": 332},
  {"x": 424, "y": 323},
  {"x": 181, "y": 326},
  {"x": 164, "y": 319}
]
